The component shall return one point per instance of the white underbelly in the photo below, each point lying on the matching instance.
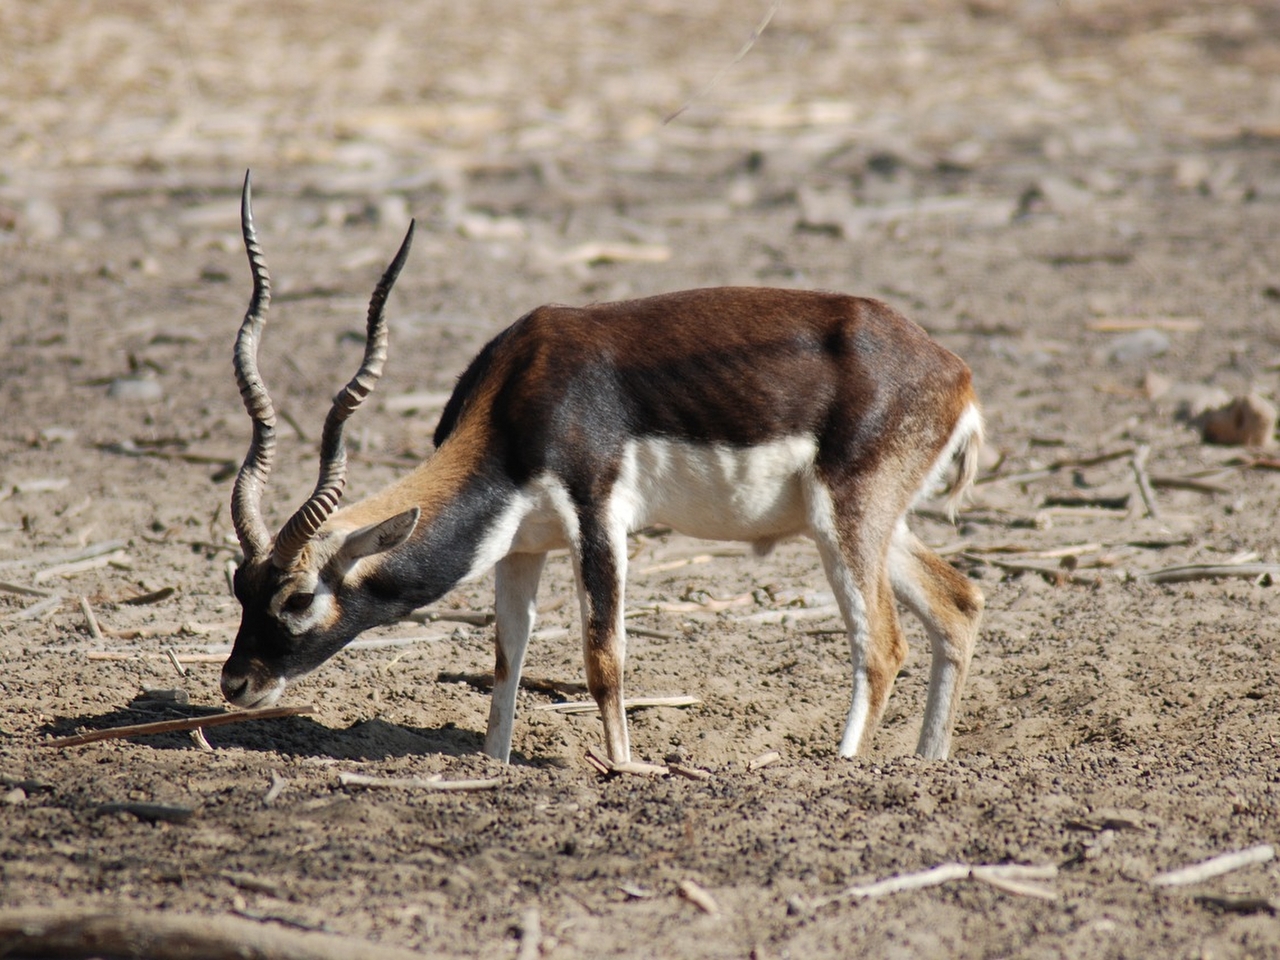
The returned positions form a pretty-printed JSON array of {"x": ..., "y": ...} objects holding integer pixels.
[{"x": 715, "y": 492}]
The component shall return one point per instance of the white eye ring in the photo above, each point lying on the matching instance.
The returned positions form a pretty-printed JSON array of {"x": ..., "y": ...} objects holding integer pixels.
[
  {"x": 306, "y": 607},
  {"x": 297, "y": 603}
]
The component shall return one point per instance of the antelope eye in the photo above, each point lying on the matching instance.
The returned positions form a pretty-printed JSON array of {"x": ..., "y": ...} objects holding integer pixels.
[{"x": 297, "y": 602}]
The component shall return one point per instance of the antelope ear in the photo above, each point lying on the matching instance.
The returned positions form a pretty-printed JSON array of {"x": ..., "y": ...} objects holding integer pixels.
[{"x": 378, "y": 537}]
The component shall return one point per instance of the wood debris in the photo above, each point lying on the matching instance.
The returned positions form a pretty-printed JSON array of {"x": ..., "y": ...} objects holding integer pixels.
[
  {"x": 198, "y": 738},
  {"x": 655, "y": 634},
  {"x": 689, "y": 773},
  {"x": 1056, "y": 575},
  {"x": 94, "y": 630},
  {"x": 75, "y": 930},
  {"x": 112, "y": 655},
  {"x": 1187, "y": 572},
  {"x": 117, "y": 558},
  {"x": 634, "y": 703},
  {"x": 434, "y": 782},
  {"x": 1018, "y": 879},
  {"x": 1139, "y": 463},
  {"x": 636, "y": 893},
  {"x": 1057, "y": 466},
  {"x": 151, "y": 812},
  {"x": 173, "y": 659},
  {"x": 530, "y": 935},
  {"x": 764, "y": 760},
  {"x": 278, "y": 784},
  {"x": 1241, "y": 905},
  {"x": 601, "y": 762},
  {"x": 155, "y": 596},
  {"x": 1215, "y": 866},
  {"x": 24, "y": 590},
  {"x": 85, "y": 553},
  {"x": 39, "y": 609},
  {"x": 699, "y": 897},
  {"x": 185, "y": 723}
]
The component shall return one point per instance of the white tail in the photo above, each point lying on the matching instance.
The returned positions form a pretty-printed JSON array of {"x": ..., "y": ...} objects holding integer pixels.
[{"x": 747, "y": 414}]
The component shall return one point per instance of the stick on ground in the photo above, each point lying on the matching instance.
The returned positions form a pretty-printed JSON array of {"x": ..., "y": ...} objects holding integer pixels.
[
  {"x": 186, "y": 723},
  {"x": 416, "y": 783},
  {"x": 699, "y": 897},
  {"x": 635, "y": 703},
  {"x": 1185, "y": 573},
  {"x": 1215, "y": 866},
  {"x": 530, "y": 935},
  {"x": 94, "y": 630},
  {"x": 1139, "y": 464},
  {"x": 77, "y": 931}
]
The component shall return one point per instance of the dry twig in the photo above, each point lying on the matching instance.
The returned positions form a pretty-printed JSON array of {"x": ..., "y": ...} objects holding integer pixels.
[
  {"x": 94, "y": 630},
  {"x": 1057, "y": 466},
  {"x": 1056, "y": 575},
  {"x": 1011, "y": 878},
  {"x": 1139, "y": 464},
  {"x": 185, "y": 723},
  {"x": 656, "y": 634},
  {"x": 417, "y": 783},
  {"x": 1184, "y": 573},
  {"x": 173, "y": 658},
  {"x": 689, "y": 773},
  {"x": 139, "y": 655},
  {"x": 23, "y": 590},
  {"x": 70, "y": 569},
  {"x": 530, "y": 935},
  {"x": 1196, "y": 484},
  {"x": 635, "y": 703},
  {"x": 77, "y": 930},
  {"x": 151, "y": 812},
  {"x": 699, "y": 897},
  {"x": 39, "y": 609},
  {"x": 198, "y": 738},
  {"x": 604, "y": 765},
  {"x": 74, "y": 556},
  {"x": 1018, "y": 879},
  {"x": 278, "y": 783},
  {"x": 1215, "y": 866},
  {"x": 154, "y": 596}
]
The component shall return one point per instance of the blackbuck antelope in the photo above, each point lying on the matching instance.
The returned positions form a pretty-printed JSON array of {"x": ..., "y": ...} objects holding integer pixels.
[{"x": 731, "y": 414}]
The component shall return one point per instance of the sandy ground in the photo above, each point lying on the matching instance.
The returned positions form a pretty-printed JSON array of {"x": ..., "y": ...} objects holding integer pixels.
[{"x": 1079, "y": 198}]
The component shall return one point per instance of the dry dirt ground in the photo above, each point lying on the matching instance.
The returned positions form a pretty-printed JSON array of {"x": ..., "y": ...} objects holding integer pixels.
[{"x": 1081, "y": 198}]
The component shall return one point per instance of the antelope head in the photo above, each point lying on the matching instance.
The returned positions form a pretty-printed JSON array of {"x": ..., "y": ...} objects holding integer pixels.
[{"x": 300, "y": 589}]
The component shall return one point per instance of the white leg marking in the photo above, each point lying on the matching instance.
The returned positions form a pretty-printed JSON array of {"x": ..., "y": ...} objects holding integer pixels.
[
  {"x": 946, "y": 675},
  {"x": 621, "y": 514},
  {"x": 517, "y": 578},
  {"x": 853, "y": 606}
]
